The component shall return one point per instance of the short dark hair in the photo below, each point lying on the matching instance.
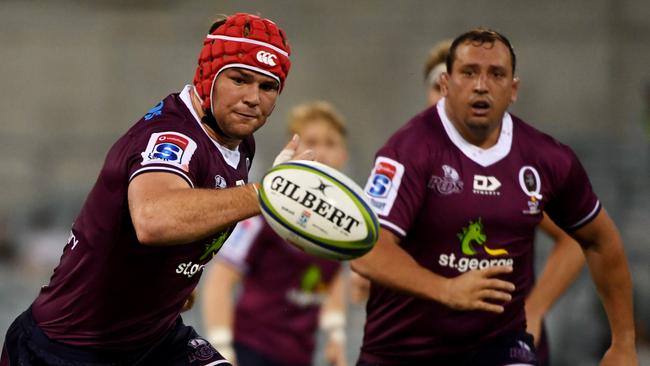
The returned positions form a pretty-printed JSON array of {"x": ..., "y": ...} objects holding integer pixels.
[
  {"x": 219, "y": 20},
  {"x": 479, "y": 36}
]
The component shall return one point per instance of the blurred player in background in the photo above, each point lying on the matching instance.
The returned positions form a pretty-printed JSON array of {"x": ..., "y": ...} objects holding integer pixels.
[
  {"x": 284, "y": 291},
  {"x": 170, "y": 192},
  {"x": 566, "y": 259},
  {"x": 460, "y": 190}
]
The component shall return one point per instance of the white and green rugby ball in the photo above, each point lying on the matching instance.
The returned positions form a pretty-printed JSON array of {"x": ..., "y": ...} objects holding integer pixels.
[{"x": 319, "y": 209}]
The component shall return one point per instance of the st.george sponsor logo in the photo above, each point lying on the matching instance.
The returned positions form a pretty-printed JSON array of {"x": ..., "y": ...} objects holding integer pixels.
[
  {"x": 312, "y": 289},
  {"x": 470, "y": 236},
  {"x": 463, "y": 264},
  {"x": 189, "y": 269}
]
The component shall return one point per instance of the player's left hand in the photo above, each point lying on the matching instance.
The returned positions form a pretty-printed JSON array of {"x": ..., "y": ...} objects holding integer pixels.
[
  {"x": 189, "y": 303},
  {"x": 289, "y": 152},
  {"x": 620, "y": 356},
  {"x": 335, "y": 353}
]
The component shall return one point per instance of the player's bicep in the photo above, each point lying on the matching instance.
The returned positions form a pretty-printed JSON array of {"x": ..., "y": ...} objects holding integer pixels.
[
  {"x": 145, "y": 191},
  {"x": 599, "y": 231},
  {"x": 551, "y": 229}
]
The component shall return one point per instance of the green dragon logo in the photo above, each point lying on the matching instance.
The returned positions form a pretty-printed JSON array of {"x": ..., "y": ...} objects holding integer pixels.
[
  {"x": 216, "y": 244},
  {"x": 311, "y": 279},
  {"x": 473, "y": 233}
]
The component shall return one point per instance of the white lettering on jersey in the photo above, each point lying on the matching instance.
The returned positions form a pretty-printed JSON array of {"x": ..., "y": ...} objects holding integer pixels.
[
  {"x": 189, "y": 269},
  {"x": 171, "y": 148},
  {"x": 463, "y": 264},
  {"x": 486, "y": 185},
  {"x": 383, "y": 184},
  {"x": 72, "y": 239}
]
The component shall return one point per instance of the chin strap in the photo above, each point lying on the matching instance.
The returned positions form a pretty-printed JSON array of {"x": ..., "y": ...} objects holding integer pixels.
[{"x": 211, "y": 122}]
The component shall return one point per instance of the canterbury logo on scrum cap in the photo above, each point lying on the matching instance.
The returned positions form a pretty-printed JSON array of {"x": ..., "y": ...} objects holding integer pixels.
[{"x": 266, "y": 58}]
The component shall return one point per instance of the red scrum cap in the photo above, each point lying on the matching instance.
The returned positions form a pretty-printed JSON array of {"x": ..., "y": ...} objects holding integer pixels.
[{"x": 246, "y": 41}]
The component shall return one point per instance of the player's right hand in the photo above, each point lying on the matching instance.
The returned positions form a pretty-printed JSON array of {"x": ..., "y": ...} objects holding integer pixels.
[
  {"x": 479, "y": 290},
  {"x": 289, "y": 152}
]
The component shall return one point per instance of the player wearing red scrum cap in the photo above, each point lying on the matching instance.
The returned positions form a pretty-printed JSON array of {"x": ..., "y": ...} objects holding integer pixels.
[{"x": 166, "y": 199}]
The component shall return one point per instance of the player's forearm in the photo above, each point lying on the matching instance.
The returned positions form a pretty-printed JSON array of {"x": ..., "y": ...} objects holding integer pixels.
[
  {"x": 217, "y": 298},
  {"x": 389, "y": 265},
  {"x": 335, "y": 301},
  {"x": 603, "y": 249},
  {"x": 561, "y": 269},
  {"x": 186, "y": 215},
  {"x": 611, "y": 275}
]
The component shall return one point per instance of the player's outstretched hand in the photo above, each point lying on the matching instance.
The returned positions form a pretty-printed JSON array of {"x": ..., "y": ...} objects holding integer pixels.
[
  {"x": 289, "y": 152},
  {"x": 479, "y": 290}
]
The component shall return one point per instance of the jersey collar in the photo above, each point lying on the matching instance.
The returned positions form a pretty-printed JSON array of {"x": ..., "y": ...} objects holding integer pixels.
[
  {"x": 231, "y": 157},
  {"x": 483, "y": 157}
]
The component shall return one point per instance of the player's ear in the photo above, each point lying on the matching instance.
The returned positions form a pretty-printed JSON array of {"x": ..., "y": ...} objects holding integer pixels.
[
  {"x": 444, "y": 84},
  {"x": 515, "y": 89}
]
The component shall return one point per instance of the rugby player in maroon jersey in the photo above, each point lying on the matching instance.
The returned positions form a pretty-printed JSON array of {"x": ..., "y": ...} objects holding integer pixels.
[
  {"x": 459, "y": 191},
  {"x": 169, "y": 193}
]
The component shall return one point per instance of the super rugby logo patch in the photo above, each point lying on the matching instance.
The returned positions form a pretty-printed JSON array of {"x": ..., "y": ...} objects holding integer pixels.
[
  {"x": 171, "y": 148},
  {"x": 383, "y": 184}
]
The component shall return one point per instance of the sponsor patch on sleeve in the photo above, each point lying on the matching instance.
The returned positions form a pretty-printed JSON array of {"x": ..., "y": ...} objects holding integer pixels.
[
  {"x": 171, "y": 148},
  {"x": 383, "y": 184}
]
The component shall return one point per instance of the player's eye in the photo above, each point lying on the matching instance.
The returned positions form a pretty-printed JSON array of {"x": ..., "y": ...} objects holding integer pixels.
[
  {"x": 270, "y": 86},
  {"x": 498, "y": 74},
  {"x": 238, "y": 80},
  {"x": 467, "y": 72}
]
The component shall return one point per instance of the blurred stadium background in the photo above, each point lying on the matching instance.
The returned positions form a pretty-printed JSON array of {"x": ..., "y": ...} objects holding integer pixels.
[{"x": 76, "y": 74}]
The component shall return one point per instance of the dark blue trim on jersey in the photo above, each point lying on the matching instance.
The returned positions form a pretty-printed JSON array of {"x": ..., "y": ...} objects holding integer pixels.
[
  {"x": 161, "y": 169},
  {"x": 585, "y": 220}
]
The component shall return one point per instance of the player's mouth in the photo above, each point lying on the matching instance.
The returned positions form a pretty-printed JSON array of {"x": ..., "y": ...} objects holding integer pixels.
[
  {"x": 246, "y": 115},
  {"x": 480, "y": 107}
]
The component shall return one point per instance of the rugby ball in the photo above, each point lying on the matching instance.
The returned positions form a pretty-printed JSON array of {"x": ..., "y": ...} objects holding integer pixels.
[{"x": 318, "y": 209}]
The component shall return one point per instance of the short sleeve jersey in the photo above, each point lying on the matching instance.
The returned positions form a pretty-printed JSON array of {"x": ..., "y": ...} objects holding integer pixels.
[
  {"x": 457, "y": 207},
  {"x": 283, "y": 289},
  {"x": 109, "y": 291}
]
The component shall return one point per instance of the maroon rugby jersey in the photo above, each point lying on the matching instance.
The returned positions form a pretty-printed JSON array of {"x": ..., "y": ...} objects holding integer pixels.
[
  {"x": 283, "y": 289},
  {"x": 457, "y": 207},
  {"x": 109, "y": 291}
]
